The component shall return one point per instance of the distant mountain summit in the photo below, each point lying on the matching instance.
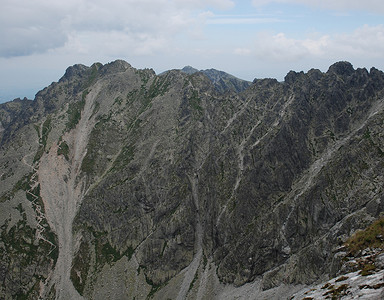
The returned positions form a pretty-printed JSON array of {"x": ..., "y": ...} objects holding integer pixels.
[
  {"x": 222, "y": 80},
  {"x": 189, "y": 70}
]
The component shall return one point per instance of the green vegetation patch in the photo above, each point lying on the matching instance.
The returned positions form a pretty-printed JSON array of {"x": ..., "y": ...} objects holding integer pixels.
[
  {"x": 193, "y": 281},
  {"x": 336, "y": 292},
  {"x": 22, "y": 184},
  {"x": 368, "y": 269},
  {"x": 105, "y": 252},
  {"x": 118, "y": 101},
  {"x": 110, "y": 253},
  {"x": 125, "y": 157},
  {"x": 95, "y": 109},
  {"x": 195, "y": 102},
  {"x": 154, "y": 287},
  {"x": 93, "y": 74},
  {"x": 20, "y": 253},
  {"x": 144, "y": 76},
  {"x": 46, "y": 129},
  {"x": 147, "y": 92},
  {"x": 74, "y": 112},
  {"x": 88, "y": 164},
  {"x": 63, "y": 150},
  {"x": 371, "y": 237},
  {"x": 48, "y": 233},
  {"x": 89, "y": 161},
  {"x": 158, "y": 87},
  {"x": 79, "y": 271}
]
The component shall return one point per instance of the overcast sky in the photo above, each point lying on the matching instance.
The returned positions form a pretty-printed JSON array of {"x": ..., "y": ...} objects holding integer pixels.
[{"x": 39, "y": 39}]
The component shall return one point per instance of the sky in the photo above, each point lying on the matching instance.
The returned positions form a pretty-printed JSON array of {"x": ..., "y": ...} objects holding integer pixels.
[{"x": 250, "y": 39}]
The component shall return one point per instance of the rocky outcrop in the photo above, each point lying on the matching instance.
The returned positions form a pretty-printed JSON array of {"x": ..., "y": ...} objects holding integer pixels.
[{"x": 187, "y": 190}]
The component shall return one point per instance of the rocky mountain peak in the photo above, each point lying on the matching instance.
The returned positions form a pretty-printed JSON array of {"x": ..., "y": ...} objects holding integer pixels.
[
  {"x": 342, "y": 68},
  {"x": 292, "y": 76},
  {"x": 189, "y": 70},
  {"x": 115, "y": 67},
  {"x": 79, "y": 71},
  {"x": 74, "y": 71},
  {"x": 120, "y": 183}
]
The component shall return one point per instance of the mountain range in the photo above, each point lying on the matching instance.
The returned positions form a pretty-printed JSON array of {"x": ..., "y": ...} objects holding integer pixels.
[{"x": 117, "y": 183}]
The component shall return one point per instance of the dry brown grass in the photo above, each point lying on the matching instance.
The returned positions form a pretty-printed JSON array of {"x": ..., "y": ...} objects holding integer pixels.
[{"x": 371, "y": 237}]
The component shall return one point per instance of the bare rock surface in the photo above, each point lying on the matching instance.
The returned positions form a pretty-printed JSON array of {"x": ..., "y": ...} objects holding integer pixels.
[
  {"x": 119, "y": 183},
  {"x": 348, "y": 286}
]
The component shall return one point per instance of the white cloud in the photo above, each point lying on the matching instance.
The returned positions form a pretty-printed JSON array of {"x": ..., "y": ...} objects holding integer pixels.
[
  {"x": 114, "y": 43},
  {"x": 344, "y": 5},
  {"x": 29, "y": 27},
  {"x": 280, "y": 48},
  {"x": 237, "y": 20},
  {"x": 367, "y": 41}
]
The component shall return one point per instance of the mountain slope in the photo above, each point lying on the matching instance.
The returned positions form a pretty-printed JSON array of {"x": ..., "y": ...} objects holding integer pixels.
[{"x": 166, "y": 187}]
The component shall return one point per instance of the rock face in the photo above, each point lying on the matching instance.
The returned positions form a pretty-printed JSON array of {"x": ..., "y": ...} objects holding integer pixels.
[{"x": 120, "y": 183}]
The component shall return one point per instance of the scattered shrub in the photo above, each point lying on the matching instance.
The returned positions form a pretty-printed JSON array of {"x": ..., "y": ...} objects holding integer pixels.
[
  {"x": 342, "y": 278},
  {"x": 367, "y": 269}
]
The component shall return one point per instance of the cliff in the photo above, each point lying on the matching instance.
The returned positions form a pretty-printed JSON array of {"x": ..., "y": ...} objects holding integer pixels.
[{"x": 120, "y": 183}]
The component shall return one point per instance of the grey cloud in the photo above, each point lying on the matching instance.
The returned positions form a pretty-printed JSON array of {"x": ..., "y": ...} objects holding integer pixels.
[
  {"x": 26, "y": 41},
  {"x": 30, "y": 27},
  {"x": 36, "y": 27}
]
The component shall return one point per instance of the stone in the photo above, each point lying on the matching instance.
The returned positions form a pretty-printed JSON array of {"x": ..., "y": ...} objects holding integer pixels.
[{"x": 379, "y": 261}]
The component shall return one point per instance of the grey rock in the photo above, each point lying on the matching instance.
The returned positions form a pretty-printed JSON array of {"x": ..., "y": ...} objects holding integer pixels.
[
  {"x": 189, "y": 181},
  {"x": 379, "y": 261}
]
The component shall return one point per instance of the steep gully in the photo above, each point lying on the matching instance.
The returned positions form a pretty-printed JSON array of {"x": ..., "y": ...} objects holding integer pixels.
[
  {"x": 305, "y": 182},
  {"x": 190, "y": 271},
  {"x": 62, "y": 191},
  {"x": 244, "y": 142}
]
